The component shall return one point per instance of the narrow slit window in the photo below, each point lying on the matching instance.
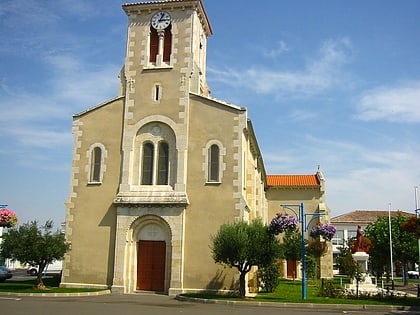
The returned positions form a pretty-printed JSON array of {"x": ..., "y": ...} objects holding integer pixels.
[{"x": 157, "y": 92}]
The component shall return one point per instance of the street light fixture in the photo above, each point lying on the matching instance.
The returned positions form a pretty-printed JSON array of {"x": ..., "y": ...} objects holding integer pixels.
[{"x": 301, "y": 217}]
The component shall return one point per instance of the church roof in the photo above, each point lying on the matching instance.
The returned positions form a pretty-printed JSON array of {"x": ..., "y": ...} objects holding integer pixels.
[
  {"x": 167, "y": 3},
  {"x": 365, "y": 217},
  {"x": 293, "y": 180}
]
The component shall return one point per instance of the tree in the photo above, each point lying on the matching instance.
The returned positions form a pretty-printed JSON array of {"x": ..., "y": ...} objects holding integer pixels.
[
  {"x": 292, "y": 245},
  {"x": 345, "y": 261},
  {"x": 404, "y": 245},
  {"x": 34, "y": 245},
  {"x": 243, "y": 245}
]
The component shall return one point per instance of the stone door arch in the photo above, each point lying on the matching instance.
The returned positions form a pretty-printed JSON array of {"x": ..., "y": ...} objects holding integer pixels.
[
  {"x": 165, "y": 225},
  {"x": 148, "y": 235}
]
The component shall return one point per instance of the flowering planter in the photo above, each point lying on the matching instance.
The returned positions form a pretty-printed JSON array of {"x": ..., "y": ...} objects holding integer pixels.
[
  {"x": 412, "y": 225},
  {"x": 7, "y": 218},
  {"x": 324, "y": 230},
  {"x": 282, "y": 223}
]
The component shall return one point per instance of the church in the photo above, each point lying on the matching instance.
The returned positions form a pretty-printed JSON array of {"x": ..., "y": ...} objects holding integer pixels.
[{"x": 158, "y": 169}]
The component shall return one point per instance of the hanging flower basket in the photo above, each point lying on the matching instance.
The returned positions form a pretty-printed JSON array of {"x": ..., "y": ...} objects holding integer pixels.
[
  {"x": 324, "y": 230},
  {"x": 316, "y": 248},
  {"x": 7, "y": 218},
  {"x": 412, "y": 225},
  {"x": 282, "y": 223}
]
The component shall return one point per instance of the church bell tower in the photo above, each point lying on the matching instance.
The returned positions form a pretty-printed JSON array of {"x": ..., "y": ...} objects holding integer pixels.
[
  {"x": 167, "y": 38},
  {"x": 165, "y": 62}
]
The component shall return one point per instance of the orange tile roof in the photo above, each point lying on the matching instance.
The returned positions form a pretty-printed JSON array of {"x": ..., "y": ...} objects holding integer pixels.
[{"x": 292, "y": 180}]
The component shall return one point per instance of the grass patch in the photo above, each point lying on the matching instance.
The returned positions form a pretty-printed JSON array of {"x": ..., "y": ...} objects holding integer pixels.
[
  {"x": 290, "y": 291},
  {"x": 52, "y": 286}
]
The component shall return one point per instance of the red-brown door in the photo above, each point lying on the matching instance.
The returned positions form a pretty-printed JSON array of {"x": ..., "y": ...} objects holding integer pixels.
[
  {"x": 291, "y": 269},
  {"x": 151, "y": 265}
]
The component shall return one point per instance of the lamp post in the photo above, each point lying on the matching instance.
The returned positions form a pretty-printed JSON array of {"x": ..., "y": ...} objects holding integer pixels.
[
  {"x": 301, "y": 217},
  {"x": 417, "y": 211},
  {"x": 390, "y": 244}
]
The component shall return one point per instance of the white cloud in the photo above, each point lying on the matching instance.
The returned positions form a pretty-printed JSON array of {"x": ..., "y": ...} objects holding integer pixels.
[
  {"x": 357, "y": 176},
  {"x": 80, "y": 83},
  {"x": 317, "y": 76},
  {"x": 399, "y": 103},
  {"x": 370, "y": 189},
  {"x": 276, "y": 51}
]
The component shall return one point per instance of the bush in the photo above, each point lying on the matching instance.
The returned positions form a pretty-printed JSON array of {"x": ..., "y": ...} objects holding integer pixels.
[
  {"x": 269, "y": 277},
  {"x": 328, "y": 289}
]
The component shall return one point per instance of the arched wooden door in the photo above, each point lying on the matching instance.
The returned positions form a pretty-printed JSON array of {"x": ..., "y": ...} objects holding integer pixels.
[{"x": 151, "y": 259}]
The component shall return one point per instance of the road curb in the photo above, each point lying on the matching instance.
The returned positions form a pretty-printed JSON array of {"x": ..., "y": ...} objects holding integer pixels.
[
  {"x": 75, "y": 294},
  {"x": 353, "y": 307}
]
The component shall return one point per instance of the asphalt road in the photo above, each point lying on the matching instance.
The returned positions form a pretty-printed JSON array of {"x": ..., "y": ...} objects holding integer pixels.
[
  {"x": 156, "y": 304},
  {"x": 128, "y": 304}
]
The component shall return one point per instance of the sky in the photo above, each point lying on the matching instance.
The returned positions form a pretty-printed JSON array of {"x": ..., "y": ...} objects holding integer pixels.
[{"x": 327, "y": 83}]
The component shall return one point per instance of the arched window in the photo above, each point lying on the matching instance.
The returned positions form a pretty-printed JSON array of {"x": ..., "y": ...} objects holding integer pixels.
[
  {"x": 152, "y": 175},
  {"x": 154, "y": 157},
  {"x": 96, "y": 160},
  {"x": 154, "y": 45},
  {"x": 167, "y": 45},
  {"x": 214, "y": 163},
  {"x": 96, "y": 163},
  {"x": 160, "y": 44},
  {"x": 163, "y": 163},
  {"x": 148, "y": 159}
]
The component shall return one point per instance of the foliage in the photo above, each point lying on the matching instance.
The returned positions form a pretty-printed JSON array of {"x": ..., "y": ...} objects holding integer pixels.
[
  {"x": 316, "y": 248},
  {"x": 311, "y": 267},
  {"x": 412, "y": 225},
  {"x": 51, "y": 283},
  {"x": 345, "y": 261},
  {"x": 330, "y": 290},
  {"x": 282, "y": 223},
  {"x": 269, "y": 277},
  {"x": 404, "y": 244},
  {"x": 243, "y": 245},
  {"x": 290, "y": 291},
  {"x": 366, "y": 244},
  {"x": 34, "y": 245},
  {"x": 324, "y": 230},
  {"x": 7, "y": 218},
  {"x": 292, "y": 245}
]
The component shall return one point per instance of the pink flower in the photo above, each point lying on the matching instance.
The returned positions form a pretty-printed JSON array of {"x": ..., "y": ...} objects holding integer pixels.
[{"x": 7, "y": 218}]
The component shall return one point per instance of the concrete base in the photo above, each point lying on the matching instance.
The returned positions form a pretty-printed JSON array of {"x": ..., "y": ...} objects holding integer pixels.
[{"x": 365, "y": 285}]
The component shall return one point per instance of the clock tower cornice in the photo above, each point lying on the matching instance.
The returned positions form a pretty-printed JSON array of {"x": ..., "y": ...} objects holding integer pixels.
[{"x": 169, "y": 5}]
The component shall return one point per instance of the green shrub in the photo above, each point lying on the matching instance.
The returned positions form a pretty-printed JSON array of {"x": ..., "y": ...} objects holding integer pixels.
[
  {"x": 328, "y": 289},
  {"x": 269, "y": 277}
]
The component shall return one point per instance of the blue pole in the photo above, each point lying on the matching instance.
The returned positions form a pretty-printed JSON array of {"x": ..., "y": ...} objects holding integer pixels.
[{"x": 302, "y": 219}]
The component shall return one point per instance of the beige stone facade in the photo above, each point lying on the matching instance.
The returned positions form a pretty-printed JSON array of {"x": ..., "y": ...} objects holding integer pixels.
[{"x": 159, "y": 168}]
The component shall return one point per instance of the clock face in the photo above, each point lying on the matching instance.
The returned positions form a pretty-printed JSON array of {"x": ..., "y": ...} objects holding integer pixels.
[{"x": 161, "y": 20}]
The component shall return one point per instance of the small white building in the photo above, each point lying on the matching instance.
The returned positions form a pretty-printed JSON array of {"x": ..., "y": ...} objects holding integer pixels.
[{"x": 346, "y": 225}]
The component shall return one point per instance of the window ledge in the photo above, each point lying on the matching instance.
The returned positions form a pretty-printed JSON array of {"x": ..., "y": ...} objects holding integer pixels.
[
  {"x": 213, "y": 183},
  {"x": 94, "y": 183},
  {"x": 155, "y": 67}
]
